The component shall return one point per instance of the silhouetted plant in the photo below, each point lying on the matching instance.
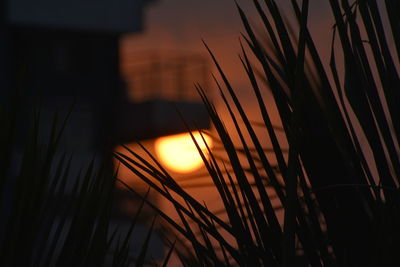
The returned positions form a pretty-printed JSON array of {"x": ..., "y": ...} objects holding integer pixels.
[
  {"x": 338, "y": 211},
  {"x": 53, "y": 217}
]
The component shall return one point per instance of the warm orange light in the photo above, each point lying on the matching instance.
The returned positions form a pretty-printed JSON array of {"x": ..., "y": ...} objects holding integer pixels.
[{"x": 179, "y": 153}]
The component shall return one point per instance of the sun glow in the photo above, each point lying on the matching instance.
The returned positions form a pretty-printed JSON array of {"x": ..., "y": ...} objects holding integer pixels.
[{"x": 179, "y": 153}]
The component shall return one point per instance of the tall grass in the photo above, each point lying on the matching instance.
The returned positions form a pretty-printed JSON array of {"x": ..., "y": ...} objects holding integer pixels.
[
  {"x": 340, "y": 196},
  {"x": 51, "y": 216}
]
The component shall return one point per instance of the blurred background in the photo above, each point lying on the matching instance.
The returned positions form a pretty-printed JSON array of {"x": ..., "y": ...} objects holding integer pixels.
[{"x": 126, "y": 67}]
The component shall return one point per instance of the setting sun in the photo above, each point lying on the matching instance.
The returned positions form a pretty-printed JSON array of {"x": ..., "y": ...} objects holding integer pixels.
[{"x": 179, "y": 153}]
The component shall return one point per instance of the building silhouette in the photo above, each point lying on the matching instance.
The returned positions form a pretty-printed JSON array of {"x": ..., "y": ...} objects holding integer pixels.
[{"x": 62, "y": 56}]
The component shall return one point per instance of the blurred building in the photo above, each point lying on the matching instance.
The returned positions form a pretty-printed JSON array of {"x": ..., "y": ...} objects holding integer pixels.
[
  {"x": 58, "y": 55},
  {"x": 66, "y": 52}
]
